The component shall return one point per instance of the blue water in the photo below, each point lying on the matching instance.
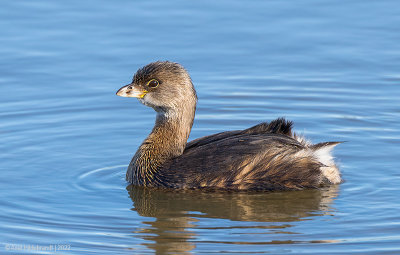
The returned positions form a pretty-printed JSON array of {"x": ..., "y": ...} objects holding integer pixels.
[{"x": 66, "y": 140}]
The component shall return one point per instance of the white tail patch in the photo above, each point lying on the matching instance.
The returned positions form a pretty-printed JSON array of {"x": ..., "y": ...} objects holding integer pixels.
[
  {"x": 301, "y": 139},
  {"x": 329, "y": 170}
]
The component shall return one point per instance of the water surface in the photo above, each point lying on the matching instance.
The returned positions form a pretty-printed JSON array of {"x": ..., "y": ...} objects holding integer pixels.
[{"x": 66, "y": 139}]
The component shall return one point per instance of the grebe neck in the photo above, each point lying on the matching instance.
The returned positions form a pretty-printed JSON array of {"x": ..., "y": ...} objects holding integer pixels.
[{"x": 166, "y": 141}]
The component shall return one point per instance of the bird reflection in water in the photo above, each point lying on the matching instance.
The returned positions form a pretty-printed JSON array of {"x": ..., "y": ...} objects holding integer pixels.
[{"x": 176, "y": 214}]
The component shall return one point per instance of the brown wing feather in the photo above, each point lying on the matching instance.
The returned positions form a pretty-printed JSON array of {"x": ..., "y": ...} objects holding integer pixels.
[
  {"x": 259, "y": 158},
  {"x": 278, "y": 126}
]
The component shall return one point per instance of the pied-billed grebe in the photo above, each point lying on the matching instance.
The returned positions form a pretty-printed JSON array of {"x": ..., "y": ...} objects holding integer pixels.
[{"x": 267, "y": 156}]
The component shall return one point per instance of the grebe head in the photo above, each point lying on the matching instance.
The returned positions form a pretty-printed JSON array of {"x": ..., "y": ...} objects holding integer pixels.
[{"x": 165, "y": 86}]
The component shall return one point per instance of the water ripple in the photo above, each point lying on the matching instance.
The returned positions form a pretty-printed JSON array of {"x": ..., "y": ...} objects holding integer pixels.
[{"x": 104, "y": 178}]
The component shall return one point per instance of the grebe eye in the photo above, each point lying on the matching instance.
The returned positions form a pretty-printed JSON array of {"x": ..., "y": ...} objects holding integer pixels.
[
  {"x": 130, "y": 87},
  {"x": 153, "y": 83}
]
